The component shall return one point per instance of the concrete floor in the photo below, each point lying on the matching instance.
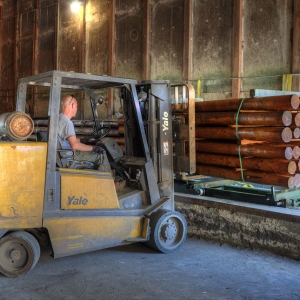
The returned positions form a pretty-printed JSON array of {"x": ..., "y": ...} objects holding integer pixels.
[{"x": 199, "y": 270}]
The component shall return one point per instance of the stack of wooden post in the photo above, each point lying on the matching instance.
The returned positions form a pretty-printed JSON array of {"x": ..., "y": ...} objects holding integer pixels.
[
  {"x": 251, "y": 139},
  {"x": 84, "y": 129}
]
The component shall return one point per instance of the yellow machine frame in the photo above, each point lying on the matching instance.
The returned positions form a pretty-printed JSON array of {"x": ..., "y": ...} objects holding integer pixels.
[{"x": 80, "y": 210}]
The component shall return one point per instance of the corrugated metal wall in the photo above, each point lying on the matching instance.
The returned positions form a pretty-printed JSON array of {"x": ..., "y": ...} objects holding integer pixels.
[{"x": 146, "y": 39}]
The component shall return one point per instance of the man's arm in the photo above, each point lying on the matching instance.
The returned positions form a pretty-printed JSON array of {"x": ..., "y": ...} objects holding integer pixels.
[{"x": 77, "y": 145}]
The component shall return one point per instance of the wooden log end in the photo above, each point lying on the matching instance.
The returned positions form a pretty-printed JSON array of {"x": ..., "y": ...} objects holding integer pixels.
[
  {"x": 120, "y": 121},
  {"x": 296, "y": 152},
  {"x": 287, "y": 134},
  {"x": 292, "y": 167},
  {"x": 295, "y": 101},
  {"x": 291, "y": 182},
  {"x": 297, "y": 180},
  {"x": 287, "y": 118},
  {"x": 288, "y": 153},
  {"x": 297, "y": 119},
  {"x": 296, "y": 133}
]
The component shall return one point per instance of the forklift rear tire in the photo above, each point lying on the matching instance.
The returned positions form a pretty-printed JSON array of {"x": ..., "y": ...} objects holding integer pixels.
[
  {"x": 168, "y": 231},
  {"x": 19, "y": 253}
]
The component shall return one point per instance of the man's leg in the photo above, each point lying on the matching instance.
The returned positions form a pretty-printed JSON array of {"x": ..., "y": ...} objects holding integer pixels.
[
  {"x": 103, "y": 163},
  {"x": 100, "y": 160}
]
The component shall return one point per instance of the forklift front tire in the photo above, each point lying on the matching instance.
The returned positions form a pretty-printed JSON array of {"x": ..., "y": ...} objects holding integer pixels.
[
  {"x": 168, "y": 231},
  {"x": 19, "y": 253}
]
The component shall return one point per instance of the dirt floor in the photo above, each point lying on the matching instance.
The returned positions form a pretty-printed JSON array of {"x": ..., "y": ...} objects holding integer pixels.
[{"x": 199, "y": 270}]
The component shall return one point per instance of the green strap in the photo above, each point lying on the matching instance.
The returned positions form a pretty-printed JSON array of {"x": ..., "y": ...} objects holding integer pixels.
[
  {"x": 237, "y": 120},
  {"x": 237, "y": 136},
  {"x": 241, "y": 163}
]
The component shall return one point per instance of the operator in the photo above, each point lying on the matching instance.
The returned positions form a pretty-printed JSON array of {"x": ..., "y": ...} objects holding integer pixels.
[{"x": 68, "y": 140}]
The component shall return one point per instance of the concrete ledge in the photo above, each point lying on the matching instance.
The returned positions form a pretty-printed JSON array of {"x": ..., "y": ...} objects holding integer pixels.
[{"x": 242, "y": 224}]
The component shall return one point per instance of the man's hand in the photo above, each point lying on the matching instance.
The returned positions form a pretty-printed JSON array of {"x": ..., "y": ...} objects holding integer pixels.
[
  {"x": 98, "y": 149},
  {"x": 77, "y": 145}
]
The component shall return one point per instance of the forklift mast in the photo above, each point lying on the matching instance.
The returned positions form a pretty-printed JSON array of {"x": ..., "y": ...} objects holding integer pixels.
[{"x": 155, "y": 108}]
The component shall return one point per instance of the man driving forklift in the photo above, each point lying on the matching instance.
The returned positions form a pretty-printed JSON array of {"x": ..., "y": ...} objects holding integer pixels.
[{"x": 68, "y": 140}]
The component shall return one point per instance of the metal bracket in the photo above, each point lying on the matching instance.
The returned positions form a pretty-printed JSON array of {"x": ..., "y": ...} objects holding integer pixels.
[
  {"x": 155, "y": 207},
  {"x": 2, "y": 232}
]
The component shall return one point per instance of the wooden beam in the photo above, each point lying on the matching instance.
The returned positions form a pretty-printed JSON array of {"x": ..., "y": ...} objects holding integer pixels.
[
  {"x": 187, "y": 46},
  {"x": 237, "y": 49},
  {"x": 81, "y": 54},
  {"x": 111, "y": 39},
  {"x": 146, "y": 40},
  {"x": 111, "y": 54},
  {"x": 296, "y": 47},
  {"x": 17, "y": 44},
  {"x": 35, "y": 51},
  {"x": 56, "y": 47},
  {"x": 35, "y": 37},
  {"x": 1, "y": 28}
]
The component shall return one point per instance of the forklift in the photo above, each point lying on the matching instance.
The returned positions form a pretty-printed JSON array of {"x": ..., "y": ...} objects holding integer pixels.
[{"x": 44, "y": 192}]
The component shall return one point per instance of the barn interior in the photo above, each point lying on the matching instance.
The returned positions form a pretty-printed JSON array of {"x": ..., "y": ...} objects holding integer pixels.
[{"x": 235, "y": 166}]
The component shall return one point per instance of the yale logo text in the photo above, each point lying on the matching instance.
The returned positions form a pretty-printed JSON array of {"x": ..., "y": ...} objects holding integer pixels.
[
  {"x": 77, "y": 201},
  {"x": 165, "y": 121}
]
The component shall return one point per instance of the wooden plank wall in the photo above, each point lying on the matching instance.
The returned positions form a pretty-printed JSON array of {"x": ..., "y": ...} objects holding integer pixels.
[
  {"x": 167, "y": 26},
  {"x": 267, "y": 45},
  {"x": 8, "y": 33},
  {"x": 230, "y": 45}
]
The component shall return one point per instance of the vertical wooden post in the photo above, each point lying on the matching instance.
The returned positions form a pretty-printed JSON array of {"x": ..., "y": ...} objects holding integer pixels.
[
  {"x": 35, "y": 51},
  {"x": 56, "y": 47},
  {"x": 146, "y": 40},
  {"x": 35, "y": 37},
  {"x": 188, "y": 32},
  {"x": 111, "y": 39},
  {"x": 17, "y": 44},
  {"x": 1, "y": 18},
  {"x": 296, "y": 47},
  {"x": 237, "y": 47},
  {"x": 111, "y": 54},
  {"x": 81, "y": 60}
]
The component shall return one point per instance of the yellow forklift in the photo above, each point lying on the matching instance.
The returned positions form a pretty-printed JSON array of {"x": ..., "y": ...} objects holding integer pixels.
[{"x": 44, "y": 192}]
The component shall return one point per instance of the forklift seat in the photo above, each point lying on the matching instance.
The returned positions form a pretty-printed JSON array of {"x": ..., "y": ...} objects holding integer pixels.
[{"x": 65, "y": 157}]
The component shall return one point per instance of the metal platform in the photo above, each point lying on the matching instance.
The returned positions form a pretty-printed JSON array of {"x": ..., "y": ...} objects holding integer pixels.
[{"x": 241, "y": 191}]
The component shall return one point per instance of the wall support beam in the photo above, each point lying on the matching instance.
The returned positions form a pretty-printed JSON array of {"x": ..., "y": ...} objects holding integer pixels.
[
  {"x": 1, "y": 43},
  {"x": 17, "y": 44},
  {"x": 81, "y": 54},
  {"x": 56, "y": 47},
  {"x": 111, "y": 54},
  {"x": 296, "y": 47},
  {"x": 237, "y": 48},
  {"x": 35, "y": 37},
  {"x": 35, "y": 52}
]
